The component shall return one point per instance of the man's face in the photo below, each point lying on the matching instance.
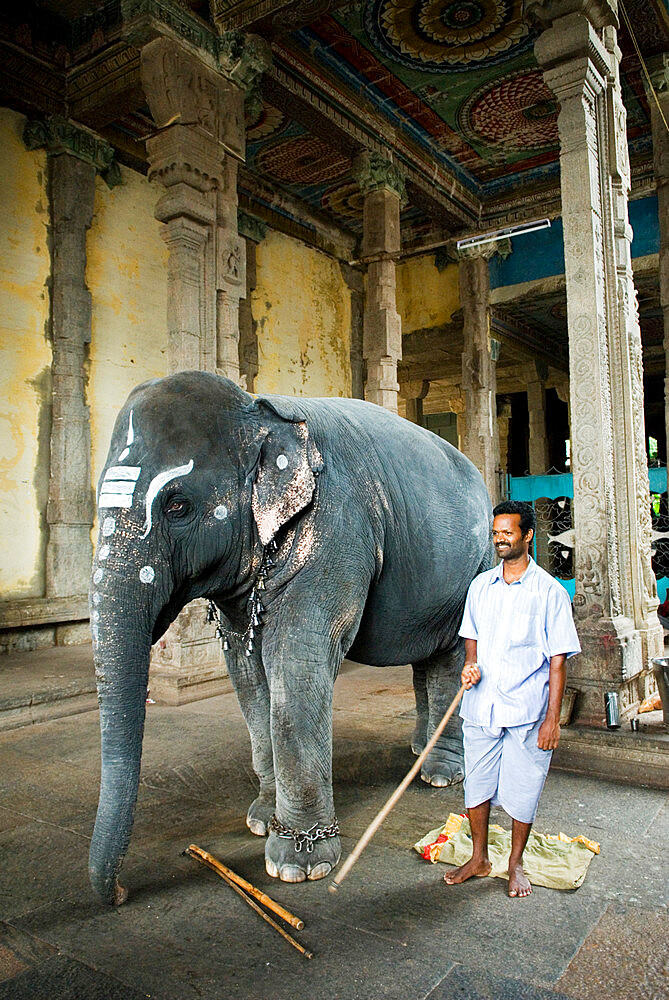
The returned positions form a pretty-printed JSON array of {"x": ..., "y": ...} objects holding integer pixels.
[{"x": 508, "y": 539}]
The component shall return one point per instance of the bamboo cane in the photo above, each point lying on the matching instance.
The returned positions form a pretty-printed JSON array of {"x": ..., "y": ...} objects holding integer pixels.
[
  {"x": 394, "y": 798},
  {"x": 221, "y": 869},
  {"x": 198, "y": 855}
]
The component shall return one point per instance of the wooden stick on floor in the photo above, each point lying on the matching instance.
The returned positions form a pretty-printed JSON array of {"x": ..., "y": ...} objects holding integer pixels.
[
  {"x": 394, "y": 798},
  {"x": 199, "y": 855},
  {"x": 221, "y": 869}
]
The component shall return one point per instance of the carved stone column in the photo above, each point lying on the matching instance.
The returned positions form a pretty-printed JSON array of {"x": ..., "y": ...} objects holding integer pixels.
[
  {"x": 659, "y": 74},
  {"x": 456, "y": 405},
  {"x": 383, "y": 187},
  {"x": 74, "y": 155},
  {"x": 479, "y": 380},
  {"x": 504, "y": 427},
  {"x": 615, "y": 601},
  {"x": 536, "y": 406},
  {"x": 414, "y": 394},
  {"x": 199, "y": 113},
  {"x": 254, "y": 232},
  {"x": 355, "y": 281}
]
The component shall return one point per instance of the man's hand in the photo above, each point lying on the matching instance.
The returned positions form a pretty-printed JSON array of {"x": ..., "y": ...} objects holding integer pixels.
[
  {"x": 470, "y": 675},
  {"x": 549, "y": 735}
]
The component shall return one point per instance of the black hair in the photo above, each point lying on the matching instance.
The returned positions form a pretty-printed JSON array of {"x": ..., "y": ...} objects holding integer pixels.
[{"x": 525, "y": 510}]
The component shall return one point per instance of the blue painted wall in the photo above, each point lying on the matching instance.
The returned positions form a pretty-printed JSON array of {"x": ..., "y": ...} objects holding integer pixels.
[{"x": 541, "y": 254}]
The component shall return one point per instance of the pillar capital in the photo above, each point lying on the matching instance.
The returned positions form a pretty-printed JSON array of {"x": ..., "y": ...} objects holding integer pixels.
[
  {"x": 59, "y": 136},
  {"x": 374, "y": 172},
  {"x": 544, "y": 13},
  {"x": 251, "y": 228}
]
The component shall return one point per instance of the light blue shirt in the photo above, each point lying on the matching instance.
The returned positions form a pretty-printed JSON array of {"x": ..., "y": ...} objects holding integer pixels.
[{"x": 518, "y": 627}]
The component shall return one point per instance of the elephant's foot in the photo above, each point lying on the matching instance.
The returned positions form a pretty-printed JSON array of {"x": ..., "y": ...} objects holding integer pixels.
[
  {"x": 444, "y": 766},
  {"x": 284, "y": 861},
  {"x": 261, "y": 811}
]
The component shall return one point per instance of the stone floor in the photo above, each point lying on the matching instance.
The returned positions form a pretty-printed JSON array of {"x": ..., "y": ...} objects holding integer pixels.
[{"x": 394, "y": 929}]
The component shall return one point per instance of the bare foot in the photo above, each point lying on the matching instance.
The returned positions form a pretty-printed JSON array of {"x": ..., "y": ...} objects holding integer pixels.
[
  {"x": 474, "y": 867},
  {"x": 518, "y": 881}
]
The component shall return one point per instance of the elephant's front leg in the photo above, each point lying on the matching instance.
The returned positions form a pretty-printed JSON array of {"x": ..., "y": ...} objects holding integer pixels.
[
  {"x": 303, "y": 841},
  {"x": 250, "y": 683}
]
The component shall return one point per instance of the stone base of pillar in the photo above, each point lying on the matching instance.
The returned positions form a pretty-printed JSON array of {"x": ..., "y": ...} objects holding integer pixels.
[
  {"x": 382, "y": 386},
  {"x": 610, "y": 654},
  {"x": 187, "y": 664}
]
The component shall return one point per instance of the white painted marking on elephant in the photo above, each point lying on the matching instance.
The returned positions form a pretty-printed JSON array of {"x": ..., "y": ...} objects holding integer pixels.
[
  {"x": 95, "y": 632},
  {"x": 220, "y": 512},
  {"x": 108, "y": 526},
  {"x": 115, "y": 499},
  {"x": 96, "y": 616},
  {"x": 118, "y": 486},
  {"x": 104, "y": 551},
  {"x": 130, "y": 438},
  {"x": 147, "y": 574},
  {"x": 97, "y": 576},
  {"x": 282, "y": 461},
  {"x": 97, "y": 598},
  {"x": 156, "y": 485}
]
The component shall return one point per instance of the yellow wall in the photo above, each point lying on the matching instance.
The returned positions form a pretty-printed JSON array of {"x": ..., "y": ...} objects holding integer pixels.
[
  {"x": 426, "y": 297},
  {"x": 25, "y": 361},
  {"x": 302, "y": 307},
  {"x": 127, "y": 275}
]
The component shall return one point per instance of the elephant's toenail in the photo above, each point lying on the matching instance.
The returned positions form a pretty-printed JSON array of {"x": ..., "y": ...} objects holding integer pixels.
[
  {"x": 291, "y": 873},
  {"x": 257, "y": 826},
  {"x": 319, "y": 871}
]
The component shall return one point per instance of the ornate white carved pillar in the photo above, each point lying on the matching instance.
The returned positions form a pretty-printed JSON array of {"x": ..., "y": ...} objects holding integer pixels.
[
  {"x": 536, "y": 407},
  {"x": 479, "y": 379},
  {"x": 615, "y": 601},
  {"x": 659, "y": 74},
  {"x": 383, "y": 186}
]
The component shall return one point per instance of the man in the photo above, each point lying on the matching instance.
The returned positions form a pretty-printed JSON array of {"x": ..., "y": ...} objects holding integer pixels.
[{"x": 518, "y": 631}]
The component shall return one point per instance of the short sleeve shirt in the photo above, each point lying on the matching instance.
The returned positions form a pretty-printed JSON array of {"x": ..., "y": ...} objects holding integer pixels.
[{"x": 518, "y": 627}]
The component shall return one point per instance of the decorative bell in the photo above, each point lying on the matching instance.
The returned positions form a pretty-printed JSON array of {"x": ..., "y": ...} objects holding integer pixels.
[
  {"x": 260, "y": 585},
  {"x": 226, "y": 644},
  {"x": 211, "y": 613}
]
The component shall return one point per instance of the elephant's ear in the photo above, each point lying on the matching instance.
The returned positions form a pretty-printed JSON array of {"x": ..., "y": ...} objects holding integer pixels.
[{"x": 284, "y": 481}]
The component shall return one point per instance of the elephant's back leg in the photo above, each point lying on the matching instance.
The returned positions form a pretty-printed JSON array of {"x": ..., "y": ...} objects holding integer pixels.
[
  {"x": 250, "y": 683},
  {"x": 436, "y": 682}
]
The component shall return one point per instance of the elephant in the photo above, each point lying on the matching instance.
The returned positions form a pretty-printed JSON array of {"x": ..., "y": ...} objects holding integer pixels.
[{"x": 317, "y": 529}]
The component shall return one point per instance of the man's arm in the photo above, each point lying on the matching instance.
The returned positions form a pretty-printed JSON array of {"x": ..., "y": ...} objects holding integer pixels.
[
  {"x": 549, "y": 731},
  {"x": 470, "y": 672}
]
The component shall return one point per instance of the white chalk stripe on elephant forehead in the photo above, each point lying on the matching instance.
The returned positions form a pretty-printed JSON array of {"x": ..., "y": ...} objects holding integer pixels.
[
  {"x": 156, "y": 485},
  {"x": 119, "y": 485},
  {"x": 129, "y": 440}
]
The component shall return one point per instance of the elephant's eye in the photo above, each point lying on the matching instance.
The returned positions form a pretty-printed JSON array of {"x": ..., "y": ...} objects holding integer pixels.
[{"x": 177, "y": 507}]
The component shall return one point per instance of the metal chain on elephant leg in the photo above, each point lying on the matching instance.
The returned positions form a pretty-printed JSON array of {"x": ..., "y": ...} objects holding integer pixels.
[
  {"x": 303, "y": 838},
  {"x": 255, "y": 608}
]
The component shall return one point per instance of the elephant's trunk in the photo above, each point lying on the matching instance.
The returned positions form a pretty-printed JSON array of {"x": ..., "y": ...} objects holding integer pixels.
[{"x": 122, "y": 669}]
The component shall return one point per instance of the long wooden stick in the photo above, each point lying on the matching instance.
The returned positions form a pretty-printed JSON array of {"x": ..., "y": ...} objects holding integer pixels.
[
  {"x": 199, "y": 855},
  {"x": 394, "y": 798},
  {"x": 211, "y": 862}
]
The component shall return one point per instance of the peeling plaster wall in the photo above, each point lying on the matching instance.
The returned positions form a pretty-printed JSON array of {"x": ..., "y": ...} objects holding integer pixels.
[
  {"x": 127, "y": 276},
  {"x": 302, "y": 308},
  {"x": 426, "y": 297},
  {"x": 25, "y": 362}
]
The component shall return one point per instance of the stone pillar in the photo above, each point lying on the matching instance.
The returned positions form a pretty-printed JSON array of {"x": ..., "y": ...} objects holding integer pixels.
[
  {"x": 355, "y": 281},
  {"x": 479, "y": 380},
  {"x": 504, "y": 427},
  {"x": 254, "y": 232},
  {"x": 659, "y": 74},
  {"x": 199, "y": 115},
  {"x": 456, "y": 405},
  {"x": 414, "y": 394},
  {"x": 383, "y": 186},
  {"x": 615, "y": 601},
  {"x": 536, "y": 406},
  {"x": 74, "y": 155}
]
